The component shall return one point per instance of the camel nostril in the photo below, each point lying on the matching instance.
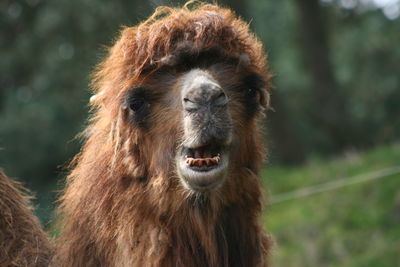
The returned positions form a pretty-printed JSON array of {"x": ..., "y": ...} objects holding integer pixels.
[
  {"x": 221, "y": 99},
  {"x": 189, "y": 104}
]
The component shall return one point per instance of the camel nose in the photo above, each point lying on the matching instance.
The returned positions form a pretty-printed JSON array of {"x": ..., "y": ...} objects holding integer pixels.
[{"x": 201, "y": 90}]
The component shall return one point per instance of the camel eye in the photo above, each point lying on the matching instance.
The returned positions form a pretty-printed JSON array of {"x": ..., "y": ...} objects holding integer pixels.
[
  {"x": 138, "y": 105},
  {"x": 252, "y": 92},
  {"x": 252, "y": 84}
]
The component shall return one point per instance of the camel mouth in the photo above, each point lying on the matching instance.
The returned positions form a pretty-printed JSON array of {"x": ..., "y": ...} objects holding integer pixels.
[
  {"x": 203, "y": 168},
  {"x": 203, "y": 158}
]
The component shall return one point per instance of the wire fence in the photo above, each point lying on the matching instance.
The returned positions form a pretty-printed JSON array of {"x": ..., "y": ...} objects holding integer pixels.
[{"x": 320, "y": 188}]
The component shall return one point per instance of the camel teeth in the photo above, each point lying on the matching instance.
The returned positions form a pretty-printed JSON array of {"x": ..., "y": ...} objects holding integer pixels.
[
  {"x": 189, "y": 161},
  {"x": 201, "y": 162},
  {"x": 197, "y": 162},
  {"x": 208, "y": 163}
]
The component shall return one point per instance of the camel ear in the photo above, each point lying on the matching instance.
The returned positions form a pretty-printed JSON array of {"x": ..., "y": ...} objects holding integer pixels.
[
  {"x": 258, "y": 84},
  {"x": 96, "y": 98},
  {"x": 264, "y": 98}
]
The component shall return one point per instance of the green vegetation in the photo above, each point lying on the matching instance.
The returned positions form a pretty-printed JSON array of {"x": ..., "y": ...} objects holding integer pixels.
[{"x": 356, "y": 225}]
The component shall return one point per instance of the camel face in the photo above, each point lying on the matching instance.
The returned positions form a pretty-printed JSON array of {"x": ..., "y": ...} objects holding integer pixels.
[
  {"x": 202, "y": 160},
  {"x": 194, "y": 120}
]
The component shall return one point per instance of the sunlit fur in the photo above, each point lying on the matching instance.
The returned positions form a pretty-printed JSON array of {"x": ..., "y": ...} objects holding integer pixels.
[
  {"x": 23, "y": 243},
  {"x": 124, "y": 204}
]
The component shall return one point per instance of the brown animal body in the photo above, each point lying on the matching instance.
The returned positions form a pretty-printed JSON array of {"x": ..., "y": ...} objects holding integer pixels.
[
  {"x": 168, "y": 175},
  {"x": 23, "y": 243}
]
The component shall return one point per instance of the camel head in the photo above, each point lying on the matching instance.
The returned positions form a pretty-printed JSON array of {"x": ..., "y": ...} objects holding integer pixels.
[{"x": 179, "y": 97}]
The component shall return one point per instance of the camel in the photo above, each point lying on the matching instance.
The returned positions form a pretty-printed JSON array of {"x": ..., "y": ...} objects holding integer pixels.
[
  {"x": 169, "y": 171},
  {"x": 22, "y": 239}
]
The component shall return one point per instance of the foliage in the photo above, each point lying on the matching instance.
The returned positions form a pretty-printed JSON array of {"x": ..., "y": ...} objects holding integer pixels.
[
  {"x": 364, "y": 60},
  {"x": 356, "y": 225}
]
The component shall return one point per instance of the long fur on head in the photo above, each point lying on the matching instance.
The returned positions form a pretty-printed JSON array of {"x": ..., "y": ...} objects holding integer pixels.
[
  {"x": 123, "y": 204},
  {"x": 165, "y": 39}
]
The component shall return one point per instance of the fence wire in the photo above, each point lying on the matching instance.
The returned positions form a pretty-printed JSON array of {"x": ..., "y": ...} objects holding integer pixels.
[{"x": 320, "y": 188}]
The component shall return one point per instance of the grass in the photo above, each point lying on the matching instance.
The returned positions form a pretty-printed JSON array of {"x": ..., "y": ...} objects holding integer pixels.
[{"x": 356, "y": 225}]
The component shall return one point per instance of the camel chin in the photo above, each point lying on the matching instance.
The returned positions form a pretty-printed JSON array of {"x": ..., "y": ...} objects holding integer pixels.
[{"x": 203, "y": 168}]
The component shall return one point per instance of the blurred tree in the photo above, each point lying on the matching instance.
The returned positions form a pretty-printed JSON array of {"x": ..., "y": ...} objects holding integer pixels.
[
  {"x": 329, "y": 108},
  {"x": 286, "y": 143},
  {"x": 283, "y": 139}
]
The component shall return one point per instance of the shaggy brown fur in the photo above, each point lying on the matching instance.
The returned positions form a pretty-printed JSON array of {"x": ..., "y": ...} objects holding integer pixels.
[
  {"x": 124, "y": 205},
  {"x": 23, "y": 243}
]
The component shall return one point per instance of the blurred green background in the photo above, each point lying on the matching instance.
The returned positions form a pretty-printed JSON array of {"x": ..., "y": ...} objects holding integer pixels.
[{"x": 336, "y": 102}]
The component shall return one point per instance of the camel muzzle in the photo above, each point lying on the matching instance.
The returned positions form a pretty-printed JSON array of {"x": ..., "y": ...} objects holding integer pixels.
[{"x": 203, "y": 158}]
